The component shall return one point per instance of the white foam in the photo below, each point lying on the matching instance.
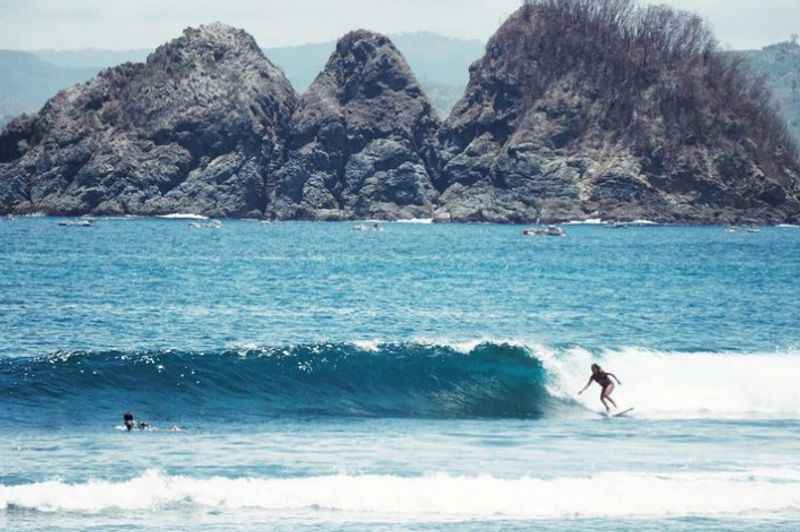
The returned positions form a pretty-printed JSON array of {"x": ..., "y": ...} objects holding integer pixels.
[
  {"x": 667, "y": 385},
  {"x": 788, "y": 226},
  {"x": 685, "y": 385},
  {"x": 371, "y": 346},
  {"x": 183, "y": 216},
  {"x": 588, "y": 221},
  {"x": 416, "y": 221},
  {"x": 469, "y": 345},
  {"x": 432, "y": 498}
]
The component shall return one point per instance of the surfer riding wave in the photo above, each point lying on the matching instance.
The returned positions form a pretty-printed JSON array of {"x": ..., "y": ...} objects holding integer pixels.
[{"x": 603, "y": 378}]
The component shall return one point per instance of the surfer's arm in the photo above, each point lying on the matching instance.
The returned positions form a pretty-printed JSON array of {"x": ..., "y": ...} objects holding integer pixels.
[
  {"x": 587, "y": 385},
  {"x": 615, "y": 378}
]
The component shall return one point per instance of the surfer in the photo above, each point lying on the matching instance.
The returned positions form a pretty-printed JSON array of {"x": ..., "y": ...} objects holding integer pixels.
[
  {"x": 603, "y": 378},
  {"x": 127, "y": 418}
]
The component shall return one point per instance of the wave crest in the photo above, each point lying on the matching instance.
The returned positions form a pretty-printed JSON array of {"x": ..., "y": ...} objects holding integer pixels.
[
  {"x": 368, "y": 379},
  {"x": 376, "y": 379},
  {"x": 433, "y": 497}
]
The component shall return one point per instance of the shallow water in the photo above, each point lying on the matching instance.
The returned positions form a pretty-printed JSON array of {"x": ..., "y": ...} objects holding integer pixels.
[{"x": 307, "y": 376}]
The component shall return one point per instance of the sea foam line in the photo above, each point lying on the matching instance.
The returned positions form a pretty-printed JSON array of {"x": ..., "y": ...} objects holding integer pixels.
[
  {"x": 432, "y": 497},
  {"x": 183, "y": 216},
  {"x": 421, "y": 221}
]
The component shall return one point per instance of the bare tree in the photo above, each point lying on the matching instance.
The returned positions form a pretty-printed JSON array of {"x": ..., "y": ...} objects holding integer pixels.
[{"x": 639, "y": 59}]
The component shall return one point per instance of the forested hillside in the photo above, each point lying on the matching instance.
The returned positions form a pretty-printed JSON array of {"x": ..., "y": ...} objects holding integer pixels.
[{"x": 780, "y": 63}]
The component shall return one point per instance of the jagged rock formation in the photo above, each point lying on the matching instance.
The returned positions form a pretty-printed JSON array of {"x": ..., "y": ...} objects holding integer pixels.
[
  {"x": 362, "y": 143},
  {"x": 584, "y": 109},
  {"x": 197, "y": 128},
  {"x": 579, "y": 109}
]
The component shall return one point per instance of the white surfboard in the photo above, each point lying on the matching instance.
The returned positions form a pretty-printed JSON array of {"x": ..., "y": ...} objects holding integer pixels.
[{"x": 624, "y": 413}]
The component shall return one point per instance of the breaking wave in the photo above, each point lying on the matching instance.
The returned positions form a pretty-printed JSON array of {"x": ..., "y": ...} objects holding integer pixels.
[
  {"x": 432, "y": 497},
  {"x": 374, "y": 379}
]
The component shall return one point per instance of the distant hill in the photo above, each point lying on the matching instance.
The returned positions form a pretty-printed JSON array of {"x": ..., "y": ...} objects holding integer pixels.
[
  {"x": 91, "y": 58},
  {"x": 26, "y": 82},
  {"x": 781, "y": 64}
]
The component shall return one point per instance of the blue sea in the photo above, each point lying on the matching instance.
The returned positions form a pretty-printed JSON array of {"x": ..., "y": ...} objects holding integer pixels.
[{"x": 313, "y": 377}]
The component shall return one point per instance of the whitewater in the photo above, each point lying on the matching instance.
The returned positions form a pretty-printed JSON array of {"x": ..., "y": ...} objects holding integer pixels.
[{"x": 304, "y": 376}]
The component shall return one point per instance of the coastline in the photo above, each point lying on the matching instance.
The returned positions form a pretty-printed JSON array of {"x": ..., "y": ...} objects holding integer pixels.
[{"x": 589, "y": 220}]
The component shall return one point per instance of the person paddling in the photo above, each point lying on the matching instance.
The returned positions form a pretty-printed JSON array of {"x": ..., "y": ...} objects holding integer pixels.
[
  {"x": 603, "y": 378},
  {"x": 127, "y": 418}
]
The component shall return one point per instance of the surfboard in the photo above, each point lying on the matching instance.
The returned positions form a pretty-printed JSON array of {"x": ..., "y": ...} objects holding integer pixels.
[{"x": 624, "y": 413}]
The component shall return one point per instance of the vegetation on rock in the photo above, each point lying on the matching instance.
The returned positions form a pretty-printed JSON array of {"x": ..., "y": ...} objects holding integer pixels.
[{"x": 583, "y": 109}]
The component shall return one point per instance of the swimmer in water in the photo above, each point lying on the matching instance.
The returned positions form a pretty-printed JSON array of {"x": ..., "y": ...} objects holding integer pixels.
[
  {"x": 603, "y": 378},
  {"x": 130, "y": 424},
  {"x": 127, "y": 418}
]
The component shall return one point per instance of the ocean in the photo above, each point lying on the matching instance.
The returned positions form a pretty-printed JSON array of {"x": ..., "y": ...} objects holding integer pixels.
[{"x": 313, "y": 377}]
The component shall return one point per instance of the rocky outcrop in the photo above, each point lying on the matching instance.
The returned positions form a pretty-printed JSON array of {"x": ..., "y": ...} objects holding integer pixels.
[
  {"x": 197, "y": 128},
  {"x": 363, "y": 140},
  {"x": 571, "y": 115},
  {"x": 579, "y": 109}
]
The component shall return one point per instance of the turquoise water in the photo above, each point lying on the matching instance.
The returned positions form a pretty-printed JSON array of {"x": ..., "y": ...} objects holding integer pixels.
[{"x": 302, "y": 376}]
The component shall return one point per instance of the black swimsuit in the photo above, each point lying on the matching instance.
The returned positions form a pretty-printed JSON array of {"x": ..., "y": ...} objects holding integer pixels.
[{"x": 602, "y": 379}]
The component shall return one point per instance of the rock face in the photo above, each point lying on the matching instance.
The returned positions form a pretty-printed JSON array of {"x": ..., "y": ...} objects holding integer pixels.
[
  {"x": 570, "y": 117},
  {"x": 197, "y": 128},
  {"x": 579, "y": 109},
  {"x": 363, "y": 140}
]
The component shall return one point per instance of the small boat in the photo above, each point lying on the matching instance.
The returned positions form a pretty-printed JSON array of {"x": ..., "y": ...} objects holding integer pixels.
[
  {"x": 213, "y": 224},
  {"x": 742, "y": 229},
  {"x": 548, "y": 230},
  {"x": 77, "y": 223},
  {"x": 368, "y": 227}
]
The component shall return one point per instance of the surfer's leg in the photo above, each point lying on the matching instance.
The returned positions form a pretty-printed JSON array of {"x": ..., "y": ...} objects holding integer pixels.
[
  {"x": 607, "y": 395},
  {"x": 603, "y": 400}
]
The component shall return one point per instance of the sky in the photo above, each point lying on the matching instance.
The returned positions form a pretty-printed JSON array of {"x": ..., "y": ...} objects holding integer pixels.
[{"x": 135, "y": 24}]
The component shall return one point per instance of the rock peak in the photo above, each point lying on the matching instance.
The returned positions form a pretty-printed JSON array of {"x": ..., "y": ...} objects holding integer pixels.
[
  {"x": 363, "y": 139},
  {"x": 216, "y": 31},
  {"x": 353, "y": 38},
  {"x": 216, "y": 36},
  {"x": 366, "y": 64},
  {"x": 195, "y": 129}
]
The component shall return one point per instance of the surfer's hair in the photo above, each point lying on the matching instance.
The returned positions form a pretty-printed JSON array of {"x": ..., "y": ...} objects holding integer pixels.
[{"x": 596, "y": 367}]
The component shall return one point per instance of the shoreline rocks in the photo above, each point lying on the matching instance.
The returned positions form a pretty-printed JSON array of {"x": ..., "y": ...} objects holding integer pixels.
[{"x": 209, "y": 126}]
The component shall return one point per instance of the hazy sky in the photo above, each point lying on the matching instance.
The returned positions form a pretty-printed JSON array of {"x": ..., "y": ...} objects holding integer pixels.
[{"x": 125, "y": 24}]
